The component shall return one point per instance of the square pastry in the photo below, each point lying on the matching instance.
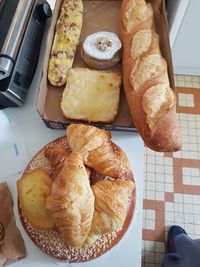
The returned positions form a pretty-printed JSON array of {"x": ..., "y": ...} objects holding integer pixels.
[{"x": 91, "y": 95}]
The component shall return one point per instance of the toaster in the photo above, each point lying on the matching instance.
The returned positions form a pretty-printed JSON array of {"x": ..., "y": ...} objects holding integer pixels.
[{"x": 22, "y": 26}]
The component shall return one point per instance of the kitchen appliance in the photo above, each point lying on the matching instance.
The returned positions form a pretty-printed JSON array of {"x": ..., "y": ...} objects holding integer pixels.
[{"x": 22, "y": 25}]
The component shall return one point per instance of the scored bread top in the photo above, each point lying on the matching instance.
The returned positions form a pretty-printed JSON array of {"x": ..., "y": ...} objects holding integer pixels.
[{"x": 152, "y": 102}]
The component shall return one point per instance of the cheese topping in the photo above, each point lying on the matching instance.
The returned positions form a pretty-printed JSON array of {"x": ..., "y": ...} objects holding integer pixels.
[{"x": 91, "y": 95}]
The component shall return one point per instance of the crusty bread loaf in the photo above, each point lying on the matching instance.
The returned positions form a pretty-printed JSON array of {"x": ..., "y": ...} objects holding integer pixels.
[{"x": 152, "y": 102}]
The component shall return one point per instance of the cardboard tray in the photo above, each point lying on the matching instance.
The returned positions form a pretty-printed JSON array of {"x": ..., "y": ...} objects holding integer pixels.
[{"x": 97, "y": 16}]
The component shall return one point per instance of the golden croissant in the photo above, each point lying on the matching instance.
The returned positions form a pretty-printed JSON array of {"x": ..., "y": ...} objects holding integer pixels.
[
  {"x": 111, "y": 201},
  {"x": 97, "y": 150},
  {"x": 56, "y": 157},
  {"x": 72, "y": 201},
  {"x": 83, "y": 138}
]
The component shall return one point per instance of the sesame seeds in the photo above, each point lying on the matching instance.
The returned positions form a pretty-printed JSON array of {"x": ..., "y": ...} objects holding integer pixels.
[{"x": 51, "y": 243}]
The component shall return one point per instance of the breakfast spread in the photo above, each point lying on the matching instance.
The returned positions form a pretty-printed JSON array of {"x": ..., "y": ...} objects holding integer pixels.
[
  {"x": 101, "y": 50},
  {"x": 66, "y": 38},
  {"x": 152, "y": 102},
  {"x": 76, "y": 197},
  {"x": 91, "y": 95},
  {"x": 85, "y": 209}
]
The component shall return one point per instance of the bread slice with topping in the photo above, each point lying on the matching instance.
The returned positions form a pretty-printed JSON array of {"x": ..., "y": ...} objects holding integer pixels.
[{"x": 91, "y": 95}]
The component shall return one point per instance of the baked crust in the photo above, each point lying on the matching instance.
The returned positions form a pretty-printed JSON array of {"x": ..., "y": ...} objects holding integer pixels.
[
  {"x": 66, "y": 38},
  {"x": 56, "y": 157},
  {"x": 33, "y": 188},
  {"x": 145, "y": 70},
  {"x": 71, "y": 202},
  {"x": 91, "y": 95},
  {"x": 98, "y": 151},
  {"x": 111, "y": 201},
  {"x": 51, "y": 242}
]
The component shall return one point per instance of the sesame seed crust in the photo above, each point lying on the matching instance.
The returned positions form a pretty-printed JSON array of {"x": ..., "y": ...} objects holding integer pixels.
[{"x": 50, "y": 241}]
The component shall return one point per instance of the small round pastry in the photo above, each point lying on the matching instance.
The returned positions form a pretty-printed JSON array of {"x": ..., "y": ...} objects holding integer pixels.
[{"x": 101, "y": 50}]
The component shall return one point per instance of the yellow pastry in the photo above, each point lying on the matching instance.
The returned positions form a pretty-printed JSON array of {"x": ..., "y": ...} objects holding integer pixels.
[{"x": 33, "y": 189}]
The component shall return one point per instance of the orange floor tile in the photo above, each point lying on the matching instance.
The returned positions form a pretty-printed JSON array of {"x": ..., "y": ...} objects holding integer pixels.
[{"x": 172, "y": 180}]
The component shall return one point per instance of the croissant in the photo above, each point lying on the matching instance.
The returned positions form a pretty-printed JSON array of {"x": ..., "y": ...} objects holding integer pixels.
[
  {"x": 71, "y": 202},
  {"x": 98, "y": 151},
  {"x": 84, "y": 138},
  {"x": 110, "y": 160},
  {"x": 56, "y": 157},
  {"x": 111, "y": 200}
]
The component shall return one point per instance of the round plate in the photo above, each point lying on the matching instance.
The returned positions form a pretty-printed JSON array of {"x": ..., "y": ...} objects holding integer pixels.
[{"x": 51, "y": 241}]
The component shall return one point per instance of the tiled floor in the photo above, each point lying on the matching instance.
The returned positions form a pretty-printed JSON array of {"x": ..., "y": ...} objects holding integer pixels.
[{"x": 172, "y": 180}]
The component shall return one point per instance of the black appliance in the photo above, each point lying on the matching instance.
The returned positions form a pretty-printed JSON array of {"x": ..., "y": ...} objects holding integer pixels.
[{"x": 22, "y": 25}]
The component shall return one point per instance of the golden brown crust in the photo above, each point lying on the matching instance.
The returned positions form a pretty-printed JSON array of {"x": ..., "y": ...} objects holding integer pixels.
[
  {"x": 110, "y": 160},
  {"x": 98, "y": 151},
  {"x": 111, "y": 200},
  {"x": 33, "y": 188},
  {"x": 145, "y": 70},
  {"x": 51, "y": 241},
  {"x": 72, "y": 202},
  {"x": 56, "y": 157},
  {"x": 84, "y": 87},
  {"x": 84, "y": 138}
]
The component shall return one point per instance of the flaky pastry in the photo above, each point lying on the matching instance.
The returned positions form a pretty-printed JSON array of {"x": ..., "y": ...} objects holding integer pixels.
[
  {"x": 72, "y": 201},
  {"x": 97, "y": 150},
  {"x": 56, "y": 157},
  {"x": 111, "y": 200}
]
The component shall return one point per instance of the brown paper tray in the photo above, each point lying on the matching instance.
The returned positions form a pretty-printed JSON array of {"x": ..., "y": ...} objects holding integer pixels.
[{"x": 98, "y": 16}]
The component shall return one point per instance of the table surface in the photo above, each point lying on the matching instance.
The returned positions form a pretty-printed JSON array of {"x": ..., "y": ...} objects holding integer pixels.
[{"x": 34, "y": 135}]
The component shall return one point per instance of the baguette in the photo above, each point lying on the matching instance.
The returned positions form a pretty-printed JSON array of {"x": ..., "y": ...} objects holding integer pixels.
[{"x": 152, "y": 102}]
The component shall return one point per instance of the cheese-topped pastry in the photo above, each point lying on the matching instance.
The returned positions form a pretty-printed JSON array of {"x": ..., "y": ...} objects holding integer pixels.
[
  {"x": 101, "y": 50},
  {"x": 91, "y": 95},
  {"x": 66, "y": 39}
]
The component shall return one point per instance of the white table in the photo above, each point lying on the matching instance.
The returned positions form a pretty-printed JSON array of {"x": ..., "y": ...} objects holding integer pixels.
[{"x": 35, "y": 135}]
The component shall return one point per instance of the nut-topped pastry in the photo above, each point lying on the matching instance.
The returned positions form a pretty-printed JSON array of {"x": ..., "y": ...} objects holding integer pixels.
[{"x": 101, "y": 50}]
